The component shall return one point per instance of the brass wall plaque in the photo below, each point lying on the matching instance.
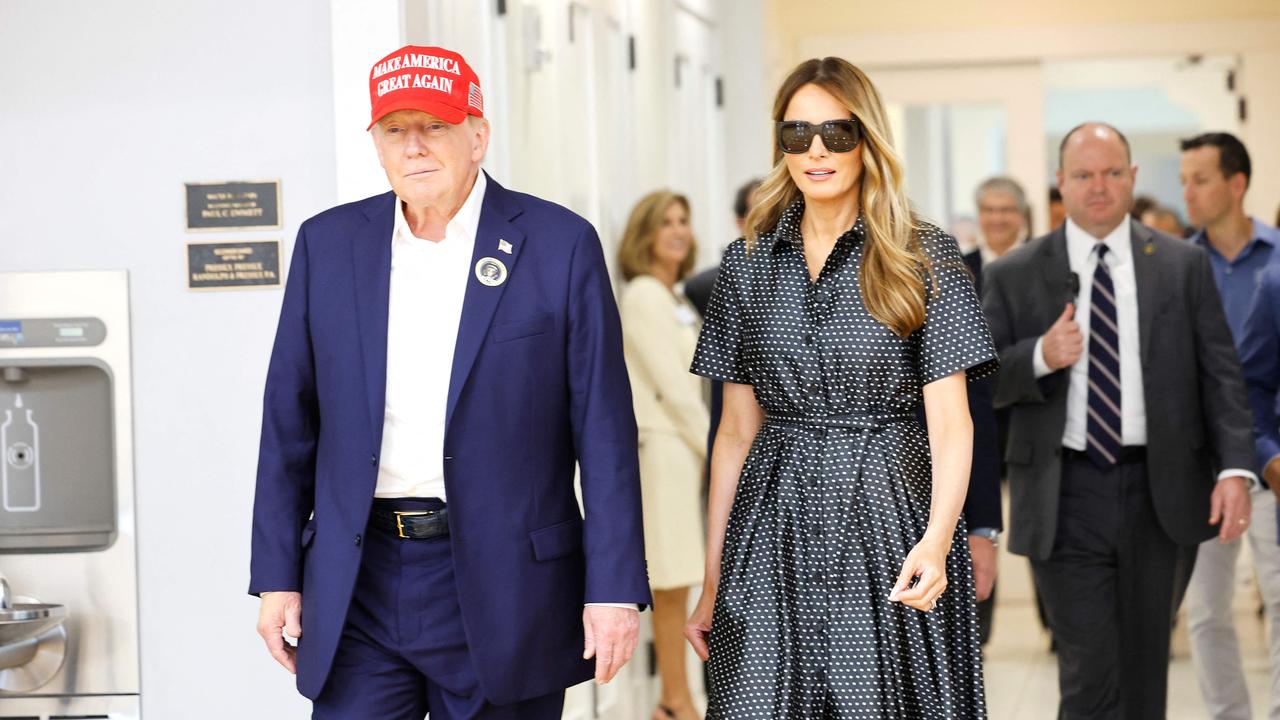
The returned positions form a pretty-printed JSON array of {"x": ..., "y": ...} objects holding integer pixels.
[
  {"x": 232, "y": 265},
  {"x": 237, "y": 205}
]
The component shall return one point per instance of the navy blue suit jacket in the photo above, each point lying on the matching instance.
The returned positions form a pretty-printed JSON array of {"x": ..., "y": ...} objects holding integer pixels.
[{"x": 538, "y": 383}]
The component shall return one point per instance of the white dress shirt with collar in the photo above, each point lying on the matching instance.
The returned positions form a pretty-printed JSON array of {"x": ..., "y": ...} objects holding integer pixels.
[
  {"x": 989, "y": 256},
  {"x": 428, "y": 283},
  {"x": 1083, "y": 260}
]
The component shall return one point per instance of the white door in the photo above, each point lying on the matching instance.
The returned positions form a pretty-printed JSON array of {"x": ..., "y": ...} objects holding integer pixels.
[
  {"x": 956, "y": 126},
  {"x": 614, "y": 129},
  {"x": 696, "y": 141}
]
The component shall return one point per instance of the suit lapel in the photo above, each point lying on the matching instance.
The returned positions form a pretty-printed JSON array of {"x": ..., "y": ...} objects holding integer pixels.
[
  {"x": 481, "y": 300},
  {"x": 371, "y": 263},
  {"x": 1146, "y": 277}
]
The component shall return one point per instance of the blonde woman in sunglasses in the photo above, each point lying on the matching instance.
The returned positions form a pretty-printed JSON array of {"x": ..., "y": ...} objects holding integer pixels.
[{"x": 838, "y": 581}]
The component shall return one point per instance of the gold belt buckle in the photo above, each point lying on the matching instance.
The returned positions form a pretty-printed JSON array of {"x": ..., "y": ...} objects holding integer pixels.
[{"x": 400, "y": 514}]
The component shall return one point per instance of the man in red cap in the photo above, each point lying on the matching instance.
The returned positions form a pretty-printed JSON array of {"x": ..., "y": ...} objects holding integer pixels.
[{"x": 447, "y": 353}]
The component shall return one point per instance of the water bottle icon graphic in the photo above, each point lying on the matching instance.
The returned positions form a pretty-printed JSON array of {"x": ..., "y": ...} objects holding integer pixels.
[{"x": 20, "y": 467}]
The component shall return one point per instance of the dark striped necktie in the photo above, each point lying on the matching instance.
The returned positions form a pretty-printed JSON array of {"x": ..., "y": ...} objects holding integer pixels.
[{"x": 1103, "y": 439}]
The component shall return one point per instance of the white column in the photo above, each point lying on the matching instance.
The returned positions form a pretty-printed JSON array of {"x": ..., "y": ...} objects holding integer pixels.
[{"x": 363, "y": 32}]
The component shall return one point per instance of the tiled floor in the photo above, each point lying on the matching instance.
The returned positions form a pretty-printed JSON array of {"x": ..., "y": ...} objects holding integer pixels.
[{"x": 1021, "y": 674}]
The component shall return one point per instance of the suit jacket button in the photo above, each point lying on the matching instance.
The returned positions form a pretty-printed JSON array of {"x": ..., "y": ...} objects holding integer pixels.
[
  {"x": 357, "y": 540},
  {"x": 373, "y": 459}
]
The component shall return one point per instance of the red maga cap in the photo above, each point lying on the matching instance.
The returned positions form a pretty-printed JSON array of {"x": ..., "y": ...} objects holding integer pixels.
[{"x": 430, "y": 79}]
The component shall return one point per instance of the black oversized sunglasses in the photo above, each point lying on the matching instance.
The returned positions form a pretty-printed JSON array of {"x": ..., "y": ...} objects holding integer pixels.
[{"x": 795, "y": 136}]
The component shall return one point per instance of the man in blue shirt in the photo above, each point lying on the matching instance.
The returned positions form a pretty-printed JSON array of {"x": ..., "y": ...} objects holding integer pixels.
[{"x": 1215, "y": 176}]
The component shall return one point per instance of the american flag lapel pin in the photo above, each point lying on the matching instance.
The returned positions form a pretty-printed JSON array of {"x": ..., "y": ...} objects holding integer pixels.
[{"x": 504, "y": 246}]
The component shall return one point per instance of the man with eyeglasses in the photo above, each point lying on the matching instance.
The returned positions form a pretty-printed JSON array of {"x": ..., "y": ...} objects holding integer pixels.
[
  {"x": 1002, "y": 207},
  {"x": 447, "y": 353}
]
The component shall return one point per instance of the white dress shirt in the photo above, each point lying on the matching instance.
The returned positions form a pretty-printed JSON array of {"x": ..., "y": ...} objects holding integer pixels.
[
  {"x": 428, "y": 283},
  {"x": 1083, "y": 260},
  {"x": 989, "y": 256}
]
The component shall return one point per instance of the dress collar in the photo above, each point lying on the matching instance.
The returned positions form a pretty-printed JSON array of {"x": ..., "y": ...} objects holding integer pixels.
[{"x": 787, "y": 231}]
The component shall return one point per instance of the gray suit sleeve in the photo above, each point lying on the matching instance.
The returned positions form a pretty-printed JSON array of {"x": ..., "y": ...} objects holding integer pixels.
[
  {"x": 1017, "y": 382},
  {"x": 1227, "y": 417}
]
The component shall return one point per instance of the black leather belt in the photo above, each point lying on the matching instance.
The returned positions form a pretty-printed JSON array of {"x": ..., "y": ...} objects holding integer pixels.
[
  {"x": 1128, "y": 454},
  {"x": 411, "y": 518}
]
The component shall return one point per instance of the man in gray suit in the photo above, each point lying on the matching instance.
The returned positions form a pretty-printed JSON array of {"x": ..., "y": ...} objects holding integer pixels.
[{"x": 1129, "y": 429}]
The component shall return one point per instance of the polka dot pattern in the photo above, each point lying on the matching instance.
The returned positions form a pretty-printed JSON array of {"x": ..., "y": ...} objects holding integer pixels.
[{"x": 836, "y": 490}]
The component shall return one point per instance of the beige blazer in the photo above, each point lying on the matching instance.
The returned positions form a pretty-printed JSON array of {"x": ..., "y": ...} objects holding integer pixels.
[{"x": 660, "y": 334}]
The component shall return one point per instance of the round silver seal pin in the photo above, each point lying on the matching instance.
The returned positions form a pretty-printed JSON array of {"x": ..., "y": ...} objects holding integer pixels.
[{"x": 491, "y": 271}]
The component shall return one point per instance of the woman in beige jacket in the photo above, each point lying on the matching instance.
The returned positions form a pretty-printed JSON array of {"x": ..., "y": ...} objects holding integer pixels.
[{"x": 660, "y": 332}]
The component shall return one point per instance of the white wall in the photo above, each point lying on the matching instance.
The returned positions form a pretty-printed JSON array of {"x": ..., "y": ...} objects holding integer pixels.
[
  {"x": 363, "y": 32},
  {"x": 1259, "y": 80},
  {"x": 107, "y": 109}
]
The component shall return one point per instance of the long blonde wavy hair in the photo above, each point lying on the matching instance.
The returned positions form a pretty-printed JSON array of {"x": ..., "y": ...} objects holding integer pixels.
[{"x": 894, "y": 266}]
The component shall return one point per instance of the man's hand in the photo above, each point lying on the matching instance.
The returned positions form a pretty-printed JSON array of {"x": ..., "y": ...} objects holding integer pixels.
[
  {"x": 281, "y": 611},
  {"x": 1062, "y": 344},
  {"x": 1229, "y": 505},
  {"x": 612, "y": 634},
  {"x": 984, "y": 565}
]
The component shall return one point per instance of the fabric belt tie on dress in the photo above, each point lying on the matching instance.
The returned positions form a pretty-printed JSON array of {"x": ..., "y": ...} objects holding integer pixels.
[{"x": 868, "y": 421}]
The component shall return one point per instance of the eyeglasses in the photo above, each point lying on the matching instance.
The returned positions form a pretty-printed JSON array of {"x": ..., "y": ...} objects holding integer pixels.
[{"x": 795, "y": 136}]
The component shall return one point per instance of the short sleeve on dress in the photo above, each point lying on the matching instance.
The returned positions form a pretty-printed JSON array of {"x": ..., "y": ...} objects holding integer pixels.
[
  {"x": 955, "y": 336},
  {"x": 720, "y": 355}
]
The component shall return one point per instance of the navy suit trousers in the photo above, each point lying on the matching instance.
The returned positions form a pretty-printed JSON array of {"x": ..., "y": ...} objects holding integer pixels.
[{"x": 403, "y": 651}]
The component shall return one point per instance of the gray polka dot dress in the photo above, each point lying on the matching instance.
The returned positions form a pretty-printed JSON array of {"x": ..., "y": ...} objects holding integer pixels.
[{"x": 836, "y": 490}]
